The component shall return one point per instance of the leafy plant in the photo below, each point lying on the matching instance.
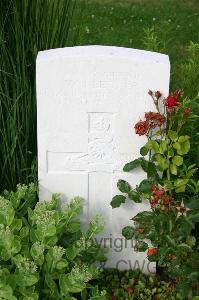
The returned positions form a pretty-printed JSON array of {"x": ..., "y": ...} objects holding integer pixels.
[
  {"x": 44, "y": 253},
  {"x": 132, "y": 284},
  {"x": 170, "y": 222}
]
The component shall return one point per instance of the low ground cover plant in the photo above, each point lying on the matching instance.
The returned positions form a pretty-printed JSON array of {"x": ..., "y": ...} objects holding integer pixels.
[
  {"x": 132, "y": 284},
  {"x": 171, "y": 191},
  {"x": 43, "y": 252}
]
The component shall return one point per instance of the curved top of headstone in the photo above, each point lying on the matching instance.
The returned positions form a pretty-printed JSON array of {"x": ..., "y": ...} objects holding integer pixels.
[{"x": 95, "y": 50}]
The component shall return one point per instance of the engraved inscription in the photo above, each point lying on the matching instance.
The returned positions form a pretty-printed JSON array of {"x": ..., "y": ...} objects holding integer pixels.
[{"x": 100, "y": 86}]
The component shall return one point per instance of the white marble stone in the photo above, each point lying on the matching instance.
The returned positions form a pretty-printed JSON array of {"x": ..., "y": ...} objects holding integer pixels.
[{"x": 88, "y": 100}]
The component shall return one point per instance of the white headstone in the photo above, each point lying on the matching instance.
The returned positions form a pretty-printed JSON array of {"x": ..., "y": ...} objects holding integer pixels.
[{"x": 88, "y": 100}]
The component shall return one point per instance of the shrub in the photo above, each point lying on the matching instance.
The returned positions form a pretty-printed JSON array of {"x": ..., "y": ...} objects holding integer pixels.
[
  {"x": 44, "y": 253},
  {"x": 133, "y": 285},
  {"x": 173, "y": 215}
]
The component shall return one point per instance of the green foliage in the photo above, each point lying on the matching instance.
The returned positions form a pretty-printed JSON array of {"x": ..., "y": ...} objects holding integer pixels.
[
  {"x": 44, "y": 253},
  {"x": 118, "y": 200},
  {"x": 133, "y": 285}
]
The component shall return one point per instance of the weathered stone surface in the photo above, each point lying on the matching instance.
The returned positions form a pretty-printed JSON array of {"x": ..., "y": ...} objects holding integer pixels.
[{"x": 88, "y": 100}]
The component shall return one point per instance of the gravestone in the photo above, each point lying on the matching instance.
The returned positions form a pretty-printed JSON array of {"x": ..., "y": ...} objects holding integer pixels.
[{"x": 88, "y": 100}]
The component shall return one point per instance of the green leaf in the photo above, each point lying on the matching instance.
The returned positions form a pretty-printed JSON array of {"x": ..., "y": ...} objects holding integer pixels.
[
  {"x": 193, "y": 202},
  {"x": 24, "y": 232},
  {"x": 134, "y": 196},
  {"x": 171, "y": 152},
  {"x": 128, "y": 232},
  {"x": 180, "y": 182},
  {"x": 72, "y": 252},
  {"x": 16, "y": 245},
  {"x": 74, "y": 227},
  {"x": 16, "y": 224},
  {"x": 123, "y": 186},
  {"x": 151, "y": 171},
  {"x": 177, "y": 160},
  {"x": 184, "y": 248},
  {"x": 180, "y": 189},
  {"x": 144, "y": 164},
  {"x": 152, "y": 145},
  {"x": 118, "y": 200},
  {"x": 131, "y": 165},
  {"x": 172, "y": 135},
  {"x": 163, "y": 146},
  {"x": 69, "y": 285},
  {"x": 170, "y": 240},
  {"x": 193, "y": 215},
  {"x": 183, "y": 288},
  {"x": 173, "y": 169},
  {"x": 141, "y": 246},
  {"x": 143, "y": 216},
  {"x": 144, "y": 151},
  {"x": 30, "y": 279},
  {"x": 144, "y": 186},
  {"x": 183, "y": 138},
  {"x": 182, "y": 146},
  {"x": 163, "y": 163},
  {"x": 62, "y": 264}
]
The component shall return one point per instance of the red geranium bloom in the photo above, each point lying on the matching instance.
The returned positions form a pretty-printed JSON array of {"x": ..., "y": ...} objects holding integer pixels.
[
  {"x": 161, "y": 119},
  {"x": 154, "y": 188},
  {"x": 150, "y": 115},
  {"x": 171, "y": 101},
  {"x": 142, "y": 127},
  {"x": 158, "y": 193},
  {"x": 151, "y": 251},
  {"x": 167, "y": 200}
]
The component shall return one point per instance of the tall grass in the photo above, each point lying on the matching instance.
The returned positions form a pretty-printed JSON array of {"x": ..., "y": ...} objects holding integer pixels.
[{"x": 26, "y": 26}]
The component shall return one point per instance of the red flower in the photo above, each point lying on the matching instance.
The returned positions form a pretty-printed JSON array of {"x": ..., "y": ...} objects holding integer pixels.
[
  {"x": 178, "y": 93},
  {"x": 155, "y": 119},
  {"x": 171, "y": 101},
  {"x": 141, "y": 127},
  {"x": 150, "y": 115},
  {"x": 167, "y": 200},
  {"x": 161, "y": 119},
  {"x": 154, "y": 188},
  {"x": 154, "y": 202},
  {"x": 140, "y": 230},
  {"x": 130, "y": 290},
  {"x": 158, "y": 94},
  {"x": 151, "y": 251},
  {"x": 158, "y": 193},
  {"x": 187, "y": 111}
]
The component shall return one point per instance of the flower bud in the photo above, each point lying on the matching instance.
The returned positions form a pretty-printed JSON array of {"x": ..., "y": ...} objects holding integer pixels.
[
  {"x": 150, "y": 93},
  {"x": 158, "y": 94},
  {"x": 187, "y": 111}
]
